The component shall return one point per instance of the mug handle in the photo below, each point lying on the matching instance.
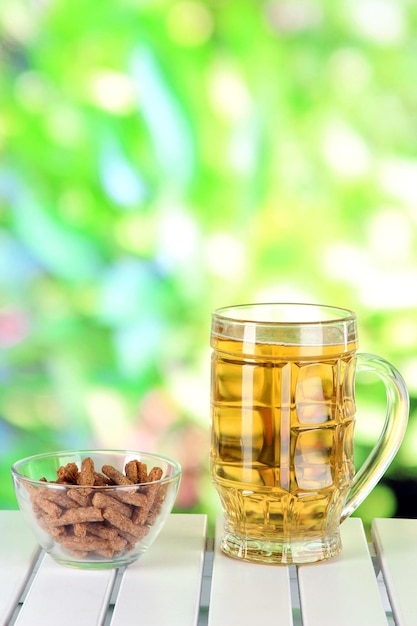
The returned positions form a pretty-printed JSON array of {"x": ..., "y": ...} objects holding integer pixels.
[{"x": 396, "y": 418}]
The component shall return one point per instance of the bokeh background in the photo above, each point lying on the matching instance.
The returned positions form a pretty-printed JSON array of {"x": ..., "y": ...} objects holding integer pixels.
[{"x": 160, "y": 158}]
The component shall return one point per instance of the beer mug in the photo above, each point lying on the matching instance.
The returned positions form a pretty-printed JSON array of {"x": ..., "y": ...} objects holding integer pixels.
[{"x": 283, "y": 420}]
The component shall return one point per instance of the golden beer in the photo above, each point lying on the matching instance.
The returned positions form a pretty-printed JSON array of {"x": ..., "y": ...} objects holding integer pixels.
[{"x": 283, "y": 418}]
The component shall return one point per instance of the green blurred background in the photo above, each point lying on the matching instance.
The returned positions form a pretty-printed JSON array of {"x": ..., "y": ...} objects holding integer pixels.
[{"x": 161, "y": 158}]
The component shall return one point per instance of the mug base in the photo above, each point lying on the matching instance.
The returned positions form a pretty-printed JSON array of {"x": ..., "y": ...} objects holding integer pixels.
[{"x": 278, "y": 552}]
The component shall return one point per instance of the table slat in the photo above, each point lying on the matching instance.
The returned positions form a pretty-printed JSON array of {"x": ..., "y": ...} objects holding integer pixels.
[
  {"x": 164, "y": 586},
  {"x": 18, "y": 553},
  {"x": 63, "y": 596},
  {"x": 243, "y": 594},
  {"x": 342, "y": 590},
  {"x": 396, "y": 544}
]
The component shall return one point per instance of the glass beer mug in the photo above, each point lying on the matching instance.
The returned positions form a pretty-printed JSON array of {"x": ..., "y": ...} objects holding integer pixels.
[{"x": 283, "y": 419}]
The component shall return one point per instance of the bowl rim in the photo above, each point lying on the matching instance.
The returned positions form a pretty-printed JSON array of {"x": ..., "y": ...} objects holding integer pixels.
[{"x": 16, "y": 473}]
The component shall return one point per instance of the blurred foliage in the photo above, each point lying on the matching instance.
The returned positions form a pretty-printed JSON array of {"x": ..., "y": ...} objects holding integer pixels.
[{"x": 161, "y": 158}]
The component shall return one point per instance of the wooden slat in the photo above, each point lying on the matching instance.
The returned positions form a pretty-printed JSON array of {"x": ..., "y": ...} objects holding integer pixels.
[
  {"x": 342, "y": 590},
  {"x": 396, "y": 544},
  {"x": 18, "y": 552},
  {"x": 163, "y": 587},
  {"x": 244, "y": 594},
  {"x": 61, "y": 596}
]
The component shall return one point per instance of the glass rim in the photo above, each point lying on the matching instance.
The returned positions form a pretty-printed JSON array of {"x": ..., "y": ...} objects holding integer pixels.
[
  {"x": 16, "y": 467},
  {"x": 341, "y": 315}
]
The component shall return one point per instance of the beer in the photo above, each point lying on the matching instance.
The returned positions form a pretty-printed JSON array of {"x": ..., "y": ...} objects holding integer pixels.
[
  {"x": 282, "y": 445},
  {"x": 283, "y": 415}
]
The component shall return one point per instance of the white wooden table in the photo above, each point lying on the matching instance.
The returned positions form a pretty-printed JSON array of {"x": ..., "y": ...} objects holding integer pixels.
[{"x": 184, "y": 580}]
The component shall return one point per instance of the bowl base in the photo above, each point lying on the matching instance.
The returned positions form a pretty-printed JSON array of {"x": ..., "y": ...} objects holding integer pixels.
[{"x": 92, "y": 564}]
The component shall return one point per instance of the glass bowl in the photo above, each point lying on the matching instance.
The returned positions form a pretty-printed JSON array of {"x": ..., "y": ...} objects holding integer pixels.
[{"x": 96, "y": 509}]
